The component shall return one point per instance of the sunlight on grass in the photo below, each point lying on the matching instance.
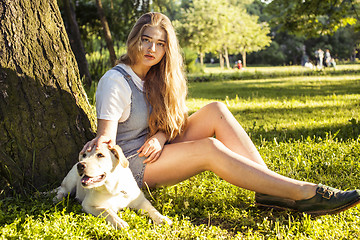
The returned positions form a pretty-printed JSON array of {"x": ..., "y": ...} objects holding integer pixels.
[{"x": 307, "y": 128}]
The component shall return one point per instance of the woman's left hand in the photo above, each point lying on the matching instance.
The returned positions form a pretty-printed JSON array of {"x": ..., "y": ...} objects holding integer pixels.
[{"x": 153, "y": 147}]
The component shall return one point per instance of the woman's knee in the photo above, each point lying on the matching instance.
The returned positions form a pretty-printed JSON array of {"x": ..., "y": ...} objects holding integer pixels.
[
  {"x": 218, "y": 106},
  {"x": 212, "y": 146},
  {"x": 213, "y": 150}
]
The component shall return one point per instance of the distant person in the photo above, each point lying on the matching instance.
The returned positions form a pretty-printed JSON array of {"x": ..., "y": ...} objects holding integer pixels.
[
  {"x": 141, "y": 106},
  {"x": 327, "y": 58},
  {"x": 319, "y": 55},
  {"x": 239, "y": 64},
  {"x": 332, "y": 63}
]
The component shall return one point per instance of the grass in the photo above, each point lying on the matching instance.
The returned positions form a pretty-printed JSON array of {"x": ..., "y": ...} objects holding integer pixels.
[
  {"x": 214, "y": 73},
  {"x": 306, "y": 127}
]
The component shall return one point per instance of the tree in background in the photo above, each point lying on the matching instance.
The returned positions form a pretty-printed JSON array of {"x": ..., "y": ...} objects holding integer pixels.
[
  {"x": 73, "y": 32},
  {"x": 105, "y": 24},
  {"x": 208, "y": 26},
  {"x": 45, "y": 118},
  {"x": 250, "y": 35},
  {"x": 106, "y": 31},
  {"x": 199, "y": 26}
]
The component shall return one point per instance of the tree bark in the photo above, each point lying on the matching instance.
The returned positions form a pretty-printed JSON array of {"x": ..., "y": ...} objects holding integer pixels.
[
  {"x": 226, "y": 56},
  {"x": 243, "y": 54},
  {"x": 221, "y": 59},
  {"x": 107, "y": 33},
  {"x": 45, "y": 118},
  {"x": 201, "y": 58},
  {"x": 76, "y": 43}
]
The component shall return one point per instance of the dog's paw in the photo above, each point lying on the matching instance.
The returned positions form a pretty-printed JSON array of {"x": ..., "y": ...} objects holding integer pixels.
[
  {"x": 119, "y": 224},
  {"x": 166, "y": 220},
  {"x": 160, "y": 219},
  {"x": 59, "y": 194}
]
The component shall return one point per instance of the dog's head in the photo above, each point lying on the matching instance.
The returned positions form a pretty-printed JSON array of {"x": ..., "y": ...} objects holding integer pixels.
[{"x": 95, "y": 166}]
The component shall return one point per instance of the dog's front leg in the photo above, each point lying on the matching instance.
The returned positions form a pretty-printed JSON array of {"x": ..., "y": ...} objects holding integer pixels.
[{"x": 109, "y": 214}]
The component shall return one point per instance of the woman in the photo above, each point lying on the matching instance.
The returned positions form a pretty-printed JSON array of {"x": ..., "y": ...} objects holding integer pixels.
[{"x": 164, "y": 146}]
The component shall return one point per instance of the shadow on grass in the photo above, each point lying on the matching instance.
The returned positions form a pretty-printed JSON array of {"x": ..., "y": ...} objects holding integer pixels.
[
  {"x": 273, "y": 89},
  {"x": 341, "y": 132}
]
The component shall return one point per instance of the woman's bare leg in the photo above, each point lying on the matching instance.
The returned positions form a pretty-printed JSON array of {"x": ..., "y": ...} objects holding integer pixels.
[
  {"x": 232, "y": 156},
  {"x": 180, "y": 161},
  {"x": 216, "y": 120}
]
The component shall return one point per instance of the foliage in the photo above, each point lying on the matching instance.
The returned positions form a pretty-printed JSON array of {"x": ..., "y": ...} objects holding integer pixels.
[
  {"x": 305, "y": 127},
  {"x": 272, "y": 55},
  {"x": 249, "y": 35},
  {"x": 168, "y": 7},
  {"x": 229, "y": 24},
  {"x": 190, "y": 57},
  {"x": 121, "y": 16},
  {"x": 342, "y": 43},
  {"x": 313, "y": 18},
  {"x": 208, "y": 26},
  {"x": 199, "y": 25},
  {"x": 98, "y": 60}
]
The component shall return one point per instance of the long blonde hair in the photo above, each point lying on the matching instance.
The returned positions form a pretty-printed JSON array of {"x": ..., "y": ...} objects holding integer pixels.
[{"x": 165, "y": 83}]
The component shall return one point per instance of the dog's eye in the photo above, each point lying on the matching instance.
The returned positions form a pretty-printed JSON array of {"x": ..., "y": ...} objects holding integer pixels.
[
  {"x": 100, "y": 155},
  {"x": 84, "y": 155}
]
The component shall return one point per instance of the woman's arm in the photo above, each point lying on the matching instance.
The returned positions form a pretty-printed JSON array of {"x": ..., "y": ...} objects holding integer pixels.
[{"x": 106, "y": 134}]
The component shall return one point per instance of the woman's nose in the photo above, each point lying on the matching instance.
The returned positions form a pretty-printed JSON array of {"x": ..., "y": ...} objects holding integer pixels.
[{"x": 152, "y": 47}]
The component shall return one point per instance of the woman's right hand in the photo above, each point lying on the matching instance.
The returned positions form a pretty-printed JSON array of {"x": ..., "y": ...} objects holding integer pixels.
[
  {"x": 106, "y": 134},
  {"x": 96, "y": 142}
]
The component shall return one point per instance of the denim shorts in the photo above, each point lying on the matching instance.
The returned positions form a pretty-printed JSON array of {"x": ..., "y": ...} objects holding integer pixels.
[{"x": 137, "y": 166}]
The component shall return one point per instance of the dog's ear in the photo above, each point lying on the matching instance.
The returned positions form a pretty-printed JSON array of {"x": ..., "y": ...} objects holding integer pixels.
[{"x": 118, "y": 153}]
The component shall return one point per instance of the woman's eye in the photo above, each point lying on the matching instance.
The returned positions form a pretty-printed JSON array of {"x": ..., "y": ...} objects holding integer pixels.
[
  {"x": 100, "y": 155},
  {"x": 161, "y": 44}
]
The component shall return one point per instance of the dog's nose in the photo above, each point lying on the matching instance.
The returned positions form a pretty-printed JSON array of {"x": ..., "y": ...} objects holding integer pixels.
[{"x": 80, "y": 167}]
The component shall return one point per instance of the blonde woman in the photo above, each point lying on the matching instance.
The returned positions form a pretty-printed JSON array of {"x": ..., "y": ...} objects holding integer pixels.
[{"x": 141, "y": 107}]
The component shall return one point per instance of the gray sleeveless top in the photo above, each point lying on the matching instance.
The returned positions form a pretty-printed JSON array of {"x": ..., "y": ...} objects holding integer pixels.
[{"x": 132, "y": 133}]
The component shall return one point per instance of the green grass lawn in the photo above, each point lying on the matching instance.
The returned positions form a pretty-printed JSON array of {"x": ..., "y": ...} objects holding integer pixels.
[{"x": 306, "y": 127}]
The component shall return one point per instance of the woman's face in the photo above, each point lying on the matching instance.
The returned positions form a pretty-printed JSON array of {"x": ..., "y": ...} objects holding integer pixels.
[{"x": 153, "y": 42}]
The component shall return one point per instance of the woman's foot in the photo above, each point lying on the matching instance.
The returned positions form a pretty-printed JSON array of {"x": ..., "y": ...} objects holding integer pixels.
[{"x": 327, "y": 200}]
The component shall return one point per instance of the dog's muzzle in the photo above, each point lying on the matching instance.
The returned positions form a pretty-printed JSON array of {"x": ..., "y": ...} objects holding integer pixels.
[{"x": 81, "y": 167}]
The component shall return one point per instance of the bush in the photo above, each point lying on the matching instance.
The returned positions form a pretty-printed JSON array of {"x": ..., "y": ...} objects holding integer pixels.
[{"x": 191, "y": 65}]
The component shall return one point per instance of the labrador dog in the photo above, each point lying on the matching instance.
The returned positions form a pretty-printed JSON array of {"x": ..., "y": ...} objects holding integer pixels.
[{"x": 104, "y": 184}]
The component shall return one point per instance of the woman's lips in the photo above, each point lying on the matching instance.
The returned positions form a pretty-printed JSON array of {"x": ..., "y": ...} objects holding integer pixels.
[{"x": 149, "y": 57}]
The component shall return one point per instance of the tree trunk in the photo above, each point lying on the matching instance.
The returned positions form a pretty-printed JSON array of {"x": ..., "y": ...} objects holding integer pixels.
[
  {"x": 221, "y": 59},
  {"x": 45, "y": 118},
  {"x": 201, "y": 58},
  {"x": 226, "y": 57},
  {"x": 75, "y": 42},
  {"x": 243, "y": 54},
  {"x": 107, "y": 33}
]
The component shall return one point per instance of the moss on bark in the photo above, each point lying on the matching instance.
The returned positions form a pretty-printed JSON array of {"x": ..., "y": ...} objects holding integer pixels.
[{"x": 44, "y": 115}]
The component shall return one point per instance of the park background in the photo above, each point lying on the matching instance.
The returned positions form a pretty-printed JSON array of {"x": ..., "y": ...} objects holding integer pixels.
[{"x": 304, "y": 121}]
